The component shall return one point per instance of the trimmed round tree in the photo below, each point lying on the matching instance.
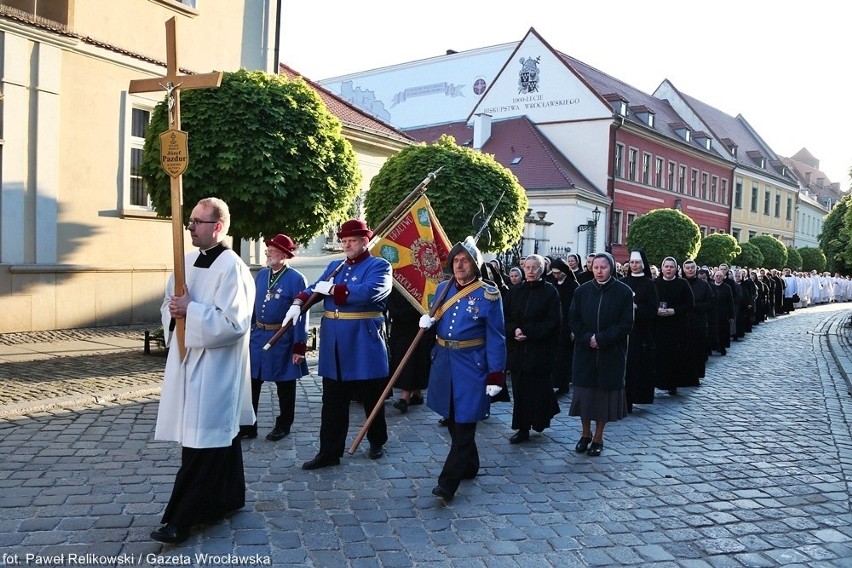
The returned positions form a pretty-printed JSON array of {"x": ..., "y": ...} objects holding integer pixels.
[
  {"x": 812, "y": 259},
  {"x": 266, "y": 145},
  {"x": 716, "y": 249},
  {"x": 794, "y": 259},
  {"x": 749, "y": 257},
  {"x": 774, "y": 252},
  {"x": 467, "y": 179},
  {"x": 665, "y": 232}
]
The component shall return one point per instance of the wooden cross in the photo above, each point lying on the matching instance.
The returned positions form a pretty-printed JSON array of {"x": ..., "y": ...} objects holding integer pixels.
[{"x": 172, "y": 83}]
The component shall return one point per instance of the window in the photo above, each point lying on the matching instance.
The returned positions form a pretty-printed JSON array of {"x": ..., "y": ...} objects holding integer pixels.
[
  {"x": 703, "y": 230},
  {"x": 54, "y": 10},
  {"x": 714, "y": 182},
  {"x": 766, "y": 198},
  {"x": 735, "y": 233},
  {"x": 630, "y": 218},
  {"x": 671, "y": 185},
  {"x": 725, "y": 193},
  {"x": 616, "y": 228},
  {"x": 631, "y": 164},
  {"x": 619, "y": 160},
  {"x": 778, "y": 206},
  {"x": 681, "y": 181},
  {"x": 646, "y": 169},
  {"x": 752, "y": 234},
  {"x": 658, "y": 173},
  {"x": 704, "y": 185},
  {"x": 135, "y": 192},
  {"x": 738, "y": 193},
  {"x": 693, "y": 185},
  {"x": 754, "y": 198},
  {"x": 789, "y": 208}
]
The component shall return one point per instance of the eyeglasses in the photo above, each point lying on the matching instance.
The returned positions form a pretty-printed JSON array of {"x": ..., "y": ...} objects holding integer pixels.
[{"x": 199, "y": 222}]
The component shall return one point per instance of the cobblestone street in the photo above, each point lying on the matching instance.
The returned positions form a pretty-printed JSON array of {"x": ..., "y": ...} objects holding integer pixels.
[{"x": 753, "y": 468}]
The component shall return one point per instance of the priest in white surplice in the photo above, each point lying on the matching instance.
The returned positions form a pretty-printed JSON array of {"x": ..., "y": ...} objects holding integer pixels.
[{"x": 207, "y": 396}]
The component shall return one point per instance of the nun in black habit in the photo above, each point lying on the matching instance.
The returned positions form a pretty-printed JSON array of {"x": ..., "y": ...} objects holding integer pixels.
[{"x": 639, "y": 377}]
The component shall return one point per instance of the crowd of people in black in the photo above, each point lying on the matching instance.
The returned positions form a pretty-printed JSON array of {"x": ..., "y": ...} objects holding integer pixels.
[{"x": 680, "y": 315}]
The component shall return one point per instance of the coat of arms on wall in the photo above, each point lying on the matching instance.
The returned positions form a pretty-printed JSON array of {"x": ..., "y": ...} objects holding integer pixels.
[{"x": 529, "y": 75}]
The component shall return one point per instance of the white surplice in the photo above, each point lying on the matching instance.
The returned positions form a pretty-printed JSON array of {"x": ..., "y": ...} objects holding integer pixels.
[{"x": 207, "y": 396}]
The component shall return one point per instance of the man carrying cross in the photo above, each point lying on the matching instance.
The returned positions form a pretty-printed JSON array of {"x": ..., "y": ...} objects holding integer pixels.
[{"x": 207, "y": 394}]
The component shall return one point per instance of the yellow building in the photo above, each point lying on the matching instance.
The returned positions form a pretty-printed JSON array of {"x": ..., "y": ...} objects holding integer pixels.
[{"x": 763, "y": 206}]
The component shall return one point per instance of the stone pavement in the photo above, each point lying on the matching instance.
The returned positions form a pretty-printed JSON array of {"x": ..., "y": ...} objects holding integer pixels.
[{"x": 753, "y": 468}]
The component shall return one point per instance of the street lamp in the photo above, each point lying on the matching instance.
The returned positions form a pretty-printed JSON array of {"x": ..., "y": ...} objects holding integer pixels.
[{"x": 590, "y": 226}]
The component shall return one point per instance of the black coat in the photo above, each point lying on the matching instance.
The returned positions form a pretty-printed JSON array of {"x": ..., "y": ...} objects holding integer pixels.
[
  {"x": 605, "y": 311},
  {"x": 403, "y": 320},
  {"x": 641, "y": 350},
  {"x": 534, "y": 308}
]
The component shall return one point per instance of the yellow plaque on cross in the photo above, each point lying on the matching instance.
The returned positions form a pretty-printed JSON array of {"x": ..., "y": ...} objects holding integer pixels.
[{"x": 174, "y": 152}]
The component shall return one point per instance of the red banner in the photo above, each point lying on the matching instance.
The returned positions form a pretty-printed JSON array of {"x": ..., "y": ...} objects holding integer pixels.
[{"x": 417, "y": 249}]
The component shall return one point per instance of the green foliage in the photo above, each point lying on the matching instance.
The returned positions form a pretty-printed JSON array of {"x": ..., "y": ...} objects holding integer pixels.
[
  {"x": 467, "y": 179},
  {"x": 774, "y": 252},
  {"x": 834, "y": 239},
  {"x": 269, "y": 147},
  {"x": 812, "y": 259},
  {"x": 665, "y": 232},
  {"x": 716, "y": 249},
  {"x": 749, "y": 257},
  {"x": 794, "y": 259}
]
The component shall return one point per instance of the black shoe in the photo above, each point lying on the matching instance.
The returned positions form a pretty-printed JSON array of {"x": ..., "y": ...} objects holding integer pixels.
[
  {"x": 595, "y": 449},
  {"x": 443, "y": 422},
  {"x": 401, "y": 405},
  {"x": 582, "y": 445},
  {"x": 722, "y": 352},
  {"x": 321, "y": 461},
  {"x": 520, "y": 436},
  {"x": 170, "y": 534},
  {"x": 277, "y": 433},
  {"x": 415, "y": 400},
  {"x": 444, "y": 494},
  {"x": 376, "y": 451},
  {"x": 247, "y": 433},
  {"x": 673, "y": 392}
]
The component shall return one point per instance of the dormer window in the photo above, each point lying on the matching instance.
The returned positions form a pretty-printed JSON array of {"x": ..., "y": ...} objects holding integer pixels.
[
  {"x": 730, "y": 146},
  {"x": 516, "y": 160},
  {"x": 758, "y": 158},
  {"x": 704, "y": 139},
  {"x": 682, "y": 130},
  {"x": 643, "y": 114},
  {"x": 618, "y": 103}
]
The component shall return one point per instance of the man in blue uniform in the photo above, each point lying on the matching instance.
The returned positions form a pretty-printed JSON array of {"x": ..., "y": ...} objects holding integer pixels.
[
  {"x": 468, "y": 363},
  {"x": 353, "y": 357},
  {"x": 284, "y": 362}
]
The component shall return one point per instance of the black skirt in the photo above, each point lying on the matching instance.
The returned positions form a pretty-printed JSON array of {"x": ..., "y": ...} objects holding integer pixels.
[
  {"x": 600, "y": 405},
  {"x": 209, "y": 484}
]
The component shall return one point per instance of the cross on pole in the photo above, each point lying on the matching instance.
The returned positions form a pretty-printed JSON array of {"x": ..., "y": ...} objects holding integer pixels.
[{"x": 173, "y": 150}]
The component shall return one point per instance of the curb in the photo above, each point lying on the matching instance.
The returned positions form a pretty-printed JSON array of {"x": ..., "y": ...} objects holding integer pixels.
[
  {"x": 837, "y": 331},
  {"x": 76, "y": 402}
]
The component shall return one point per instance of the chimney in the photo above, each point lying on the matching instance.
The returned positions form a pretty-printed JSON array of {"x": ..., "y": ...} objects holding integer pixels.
[
  {"x": 808, "y": 179},
  {"x": 481, "y": 130}
]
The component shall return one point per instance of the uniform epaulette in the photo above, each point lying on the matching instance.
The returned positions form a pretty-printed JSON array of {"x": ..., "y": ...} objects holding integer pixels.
[{"x": 491, "y": 291}]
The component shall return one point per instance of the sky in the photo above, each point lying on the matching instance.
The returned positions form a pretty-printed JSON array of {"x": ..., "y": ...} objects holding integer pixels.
[{"x": 784, "y": 64}]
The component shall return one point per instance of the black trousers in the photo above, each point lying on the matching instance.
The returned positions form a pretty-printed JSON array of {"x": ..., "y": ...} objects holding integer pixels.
[
  {"x": 463, "y": 460},
  {"x": 286, "y": 402},
  {"x": 336, "y": 396}
]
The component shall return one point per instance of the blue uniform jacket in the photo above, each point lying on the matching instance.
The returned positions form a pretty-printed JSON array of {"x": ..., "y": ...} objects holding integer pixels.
[
  {"x": 362, "y": 285},
  {"x": 459, "y": 376},
  {"x": 270, "y": 307}
]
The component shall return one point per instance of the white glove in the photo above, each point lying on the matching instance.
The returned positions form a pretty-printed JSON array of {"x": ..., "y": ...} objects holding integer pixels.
[
  {"x": 293, "y": 313},
  {"x": 323, "y": 287},
  {"x": 492, "y": 390},
  {"x": 426, "y": 321}
]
